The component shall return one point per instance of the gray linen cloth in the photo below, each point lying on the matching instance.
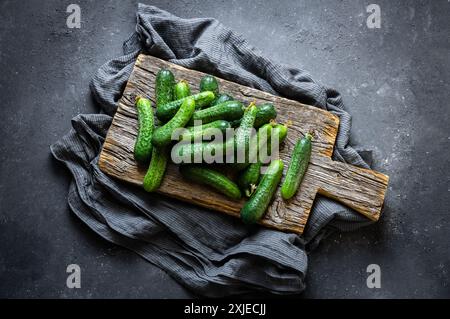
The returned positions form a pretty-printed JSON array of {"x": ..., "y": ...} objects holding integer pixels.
[{"x": 210, "y": 253}]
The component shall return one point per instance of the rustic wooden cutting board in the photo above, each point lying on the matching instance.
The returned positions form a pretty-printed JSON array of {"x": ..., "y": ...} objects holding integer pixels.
[{"x": 361, "y": 189}]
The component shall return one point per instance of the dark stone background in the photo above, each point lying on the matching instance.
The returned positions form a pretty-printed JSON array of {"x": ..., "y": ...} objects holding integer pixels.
[{"x": 395, "y": 82}]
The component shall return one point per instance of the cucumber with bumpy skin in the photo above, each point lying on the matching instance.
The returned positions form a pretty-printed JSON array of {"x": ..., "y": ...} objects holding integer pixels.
[
  {"x": 222, "y": 98},
  {"x": 266, "y": 113},
  {"x": 163, "y": 134},
  {"x": 186, "y": 153},
  {"x": 191, "y": 151},
  {"x": 182, "y": 90},
  {"x": 282, "y": 130},
  {"x": 279, "y": 130},
  {"x": 196, "y": 133},
  {"x": 297, "y": 167},
  {"x": 167, "y": 111},
  {"x": 244, "y": 132},
  {"x": 209, "y": 83},
  {"x": 235, "y": 123},
  {"x": 164, "y": 87},
  {"x": 156, "y": 170},
  {"x": 143, "y": 144},
  {"x": 211, "y": 178},
  {"x": 249, "y": 178},
  {"x": 228, "y": 111},
  {"x": 255, "y": 208},
  {"x": 257, "y": 141}
]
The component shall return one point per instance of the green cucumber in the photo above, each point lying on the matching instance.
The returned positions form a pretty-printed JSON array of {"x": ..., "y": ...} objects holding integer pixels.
[
  {"x": 181, "y": 90},
  {"x": 209, "y": 83},
  {"x": 266, "y": 113},
  {"x": 167, "y": 111},
  {"x": 282, "y": 131},
  {"x": 279, "y": 130},
  {"x": 203, "y": 152},
  {"x": 163, "y": 134},
  {"x": 143, "y": 144},
  {"x": 244, "y": 133},
  {"x": 256, "y": 143},
  {"x": 228, "y": 111},
  {"x": 222, "y": 98},
  {"x": 235, "y": 123},
  {"x": 248, "y": 180},
  {"x": 196, "y": 133},
  {"x": 187, "y": 152},
  {"x": 297, "y": 167},
  {"x": 193, "y": 151},
  {"x": 255, "y": 208},
  {"x": 156, "y": 170},
  {"x": 164, "y": 87},
  {"x": 211, "y": 178}
]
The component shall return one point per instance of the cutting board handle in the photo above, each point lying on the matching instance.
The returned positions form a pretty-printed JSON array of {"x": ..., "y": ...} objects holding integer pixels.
[{"x": 358, "y": 188}]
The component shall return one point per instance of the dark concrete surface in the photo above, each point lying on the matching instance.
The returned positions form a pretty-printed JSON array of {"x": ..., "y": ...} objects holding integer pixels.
[{"x": 395, "y": 82}]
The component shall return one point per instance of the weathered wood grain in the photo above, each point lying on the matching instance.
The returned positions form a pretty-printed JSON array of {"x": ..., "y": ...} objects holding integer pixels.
[{"x": 360, "y": 189}]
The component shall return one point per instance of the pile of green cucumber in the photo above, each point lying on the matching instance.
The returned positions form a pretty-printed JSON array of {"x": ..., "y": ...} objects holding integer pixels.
[{"x": 254, "y": 175}]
